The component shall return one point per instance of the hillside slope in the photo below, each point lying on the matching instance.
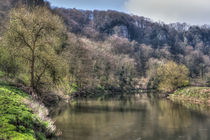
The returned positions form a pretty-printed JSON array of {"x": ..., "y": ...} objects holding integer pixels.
[{"x": 136, "y": 38}]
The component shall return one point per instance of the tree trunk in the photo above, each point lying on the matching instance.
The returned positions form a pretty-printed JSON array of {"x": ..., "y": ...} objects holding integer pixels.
[{"x": 32, "y": 70}]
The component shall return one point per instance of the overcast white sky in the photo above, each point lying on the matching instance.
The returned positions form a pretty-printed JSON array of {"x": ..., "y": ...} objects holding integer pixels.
[{"x": 191, "y": 11}]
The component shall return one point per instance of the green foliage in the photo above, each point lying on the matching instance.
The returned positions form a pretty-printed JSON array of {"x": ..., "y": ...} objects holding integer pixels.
[
  {"x": 172, "y": 76},
  {"x": 99, "y": 53},
  {"x": 99, "y": 46},
  {"x": 8, "y": 63},
  {"x": 34, "y": 38},
  {"x": 196, "y": 92},
  {"x": 196, "y": 98},
  {"x": 17, "y": 121},
  {"x": 67, "y": 87},
  {"x": 2, "y": 74}
]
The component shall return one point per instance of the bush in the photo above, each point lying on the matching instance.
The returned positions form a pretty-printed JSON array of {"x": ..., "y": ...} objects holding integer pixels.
[
  {"x": 7, "y": 63},
  {"x": 172, "y": 76}
]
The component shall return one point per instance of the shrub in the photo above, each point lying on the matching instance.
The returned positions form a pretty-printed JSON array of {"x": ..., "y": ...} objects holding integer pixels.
[{"x": 172, "y": 76}]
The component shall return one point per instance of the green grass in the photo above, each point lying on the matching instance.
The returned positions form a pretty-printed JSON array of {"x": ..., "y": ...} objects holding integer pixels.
[
  {"x": 17, "y": 121},
  {"x": 198, "y": 94}
]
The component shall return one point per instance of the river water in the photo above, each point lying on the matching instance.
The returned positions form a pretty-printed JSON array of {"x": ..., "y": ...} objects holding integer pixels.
[{"x": 136, "y": 118}]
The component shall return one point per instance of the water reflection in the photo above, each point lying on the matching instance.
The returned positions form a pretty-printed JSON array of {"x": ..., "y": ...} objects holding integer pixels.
[{"x": 139, "y": 118}]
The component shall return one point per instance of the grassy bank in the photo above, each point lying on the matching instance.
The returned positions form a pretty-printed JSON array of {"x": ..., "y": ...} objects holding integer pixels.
[
  {"x": 21, "y": 118},
  {"x": 198, "y": 95}
]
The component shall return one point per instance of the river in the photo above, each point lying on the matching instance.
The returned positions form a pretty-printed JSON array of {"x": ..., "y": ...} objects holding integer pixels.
[{"x": 136, "y": 118}]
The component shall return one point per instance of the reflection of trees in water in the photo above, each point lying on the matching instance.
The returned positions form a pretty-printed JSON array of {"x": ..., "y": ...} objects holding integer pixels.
[
  {"x": 149, "y": 119},
  {"x": 56, "y": 111},
  {"x": 173, "y": 116},
  {"x": 205, "y": 109},
  {"x": 169, "y": 121}
]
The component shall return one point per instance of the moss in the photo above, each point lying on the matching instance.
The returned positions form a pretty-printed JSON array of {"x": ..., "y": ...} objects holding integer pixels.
[{"x": 17, "y": 121}]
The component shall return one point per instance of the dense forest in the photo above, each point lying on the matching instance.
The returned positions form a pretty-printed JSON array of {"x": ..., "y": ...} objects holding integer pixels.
[{"x": 111, "y": 51}]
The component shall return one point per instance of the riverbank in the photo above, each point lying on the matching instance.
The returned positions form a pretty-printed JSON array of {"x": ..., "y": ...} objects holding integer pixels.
[
  {"x": 22, "y": 117},
  {"x": 196, "y": 95}
]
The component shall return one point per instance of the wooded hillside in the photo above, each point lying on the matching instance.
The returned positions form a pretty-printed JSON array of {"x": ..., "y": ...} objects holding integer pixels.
[{"x": 107, "y": 49}]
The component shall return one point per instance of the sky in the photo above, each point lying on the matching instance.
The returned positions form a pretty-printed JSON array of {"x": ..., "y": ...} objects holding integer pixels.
[{"x": 194, "y": 12}]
